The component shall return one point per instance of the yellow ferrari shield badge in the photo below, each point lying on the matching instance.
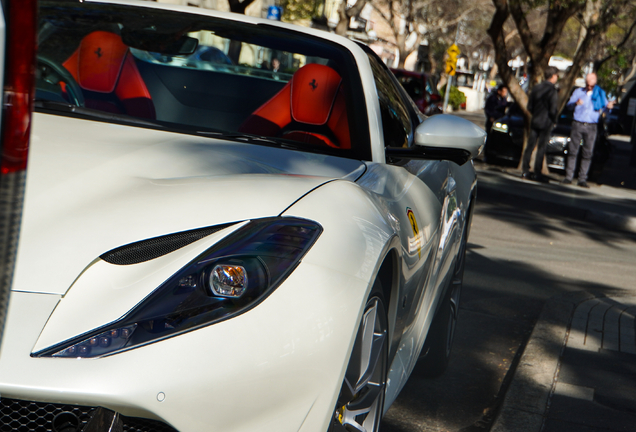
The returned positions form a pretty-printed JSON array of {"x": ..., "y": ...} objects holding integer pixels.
[{"x": 416, "y": 232}]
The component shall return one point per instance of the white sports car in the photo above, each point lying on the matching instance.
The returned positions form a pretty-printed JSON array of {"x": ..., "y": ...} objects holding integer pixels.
[{"x": 230, "y": 224}]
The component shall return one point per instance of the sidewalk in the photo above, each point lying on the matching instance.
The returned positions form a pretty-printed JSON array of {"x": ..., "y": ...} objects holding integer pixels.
[
  {"x": 611, "y": 204},
  {"x": 577, "y": 372}
]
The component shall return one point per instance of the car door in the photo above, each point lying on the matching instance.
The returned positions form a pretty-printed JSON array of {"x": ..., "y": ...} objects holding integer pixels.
[{"x": 418, "y": 194}]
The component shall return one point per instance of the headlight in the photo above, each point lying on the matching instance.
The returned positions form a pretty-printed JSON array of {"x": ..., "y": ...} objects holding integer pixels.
[
  {"x": 230, "y": 278},
  {"x": 500, "y": 127},
  {"x": 559, "y": 143},
  {"x": 560, "y": 140}
]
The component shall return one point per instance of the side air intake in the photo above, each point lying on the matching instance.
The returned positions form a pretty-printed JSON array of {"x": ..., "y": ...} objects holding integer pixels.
[{"x": 146, "y": 250}]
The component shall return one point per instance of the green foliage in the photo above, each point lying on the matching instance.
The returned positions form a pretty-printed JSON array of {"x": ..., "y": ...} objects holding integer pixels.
[
  {"x": 455, "y": 99},
  {"x": 609, "y": 74},
  {"x": 294, "y": 10}
]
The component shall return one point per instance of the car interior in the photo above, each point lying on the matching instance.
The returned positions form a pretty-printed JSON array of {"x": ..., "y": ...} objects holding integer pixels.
[
  {"x": 198, "y": 78},
  {"x": 108, "y": 76}
]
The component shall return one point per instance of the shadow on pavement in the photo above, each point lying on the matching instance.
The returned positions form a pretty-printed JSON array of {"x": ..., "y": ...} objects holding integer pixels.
[
  {"x": 530, "y": 216},
  {"x": 500, "y": 304}
]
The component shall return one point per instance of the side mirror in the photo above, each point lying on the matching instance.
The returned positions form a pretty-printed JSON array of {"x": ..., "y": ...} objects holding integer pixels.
[{"x": 444, "y": 137}]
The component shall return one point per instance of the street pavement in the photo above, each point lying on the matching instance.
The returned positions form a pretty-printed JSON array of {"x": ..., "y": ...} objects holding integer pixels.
[{"x": 578, "y": 369}]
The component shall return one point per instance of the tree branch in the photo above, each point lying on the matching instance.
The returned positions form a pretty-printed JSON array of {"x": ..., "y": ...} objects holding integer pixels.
[
  {"x": 382, "y": 15},
  {"x": 555, "y": 23},
  {"x": 445, "y": 24},
  {"x": 627, "y": 37},
  {"x": 630, "y": 74},
  {"x": 356, "y": 8},
  {"x": 501, "y": 55},
  {"x": 527, "y": 39}
]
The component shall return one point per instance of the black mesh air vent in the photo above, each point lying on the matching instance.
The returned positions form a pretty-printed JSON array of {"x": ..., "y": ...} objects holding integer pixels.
[
  {"x": 25, "y": 416},
  {"x": 145, "y": 250}
]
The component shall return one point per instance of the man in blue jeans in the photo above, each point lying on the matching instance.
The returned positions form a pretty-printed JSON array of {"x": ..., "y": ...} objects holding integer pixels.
[{"x": 588, "y": 103}]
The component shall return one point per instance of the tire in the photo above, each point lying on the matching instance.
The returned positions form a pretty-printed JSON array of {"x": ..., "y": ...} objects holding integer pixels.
[
  {"x": 437, "y": 348},
  {"x": 361, "y": 399}
]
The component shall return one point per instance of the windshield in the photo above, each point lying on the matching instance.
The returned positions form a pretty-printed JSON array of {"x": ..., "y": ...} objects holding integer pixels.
[{"x": 199, "y": 74}]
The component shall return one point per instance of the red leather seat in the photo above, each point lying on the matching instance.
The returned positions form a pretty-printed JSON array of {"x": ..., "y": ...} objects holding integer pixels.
[
  {"x": 108, "y": 75},
  {"x": 311, "y": 108}
]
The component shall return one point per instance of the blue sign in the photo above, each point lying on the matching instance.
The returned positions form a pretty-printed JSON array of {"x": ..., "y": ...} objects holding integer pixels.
[{"x": 274, "y": 13}]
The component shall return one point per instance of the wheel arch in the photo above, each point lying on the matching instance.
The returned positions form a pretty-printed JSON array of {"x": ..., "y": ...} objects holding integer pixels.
[{"x": 388, "y": 274}]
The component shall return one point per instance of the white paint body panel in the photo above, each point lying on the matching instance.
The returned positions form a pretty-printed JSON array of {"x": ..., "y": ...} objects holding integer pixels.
[{"x": 94, "y": 186}]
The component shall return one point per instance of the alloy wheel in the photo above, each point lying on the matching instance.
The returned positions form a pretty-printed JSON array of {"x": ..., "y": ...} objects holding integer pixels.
[{"x": 361, "y": 398}]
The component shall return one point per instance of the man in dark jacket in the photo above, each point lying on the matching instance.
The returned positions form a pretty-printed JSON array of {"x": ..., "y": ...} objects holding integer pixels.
[
  {"x": 542, "y": 104},
  {"x": 496, "y": 105}
]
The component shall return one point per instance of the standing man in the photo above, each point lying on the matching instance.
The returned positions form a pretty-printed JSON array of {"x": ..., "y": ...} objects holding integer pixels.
[
  {"x": 496, "y": 105},
  {"x": 542, "y": 104},
  {"x": 588, "y": 103}
]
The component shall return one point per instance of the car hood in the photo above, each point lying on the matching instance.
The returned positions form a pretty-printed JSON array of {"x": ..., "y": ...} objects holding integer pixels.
[
  {"x": 512, "y": 121},
  {"x": 93, "y": 186}
]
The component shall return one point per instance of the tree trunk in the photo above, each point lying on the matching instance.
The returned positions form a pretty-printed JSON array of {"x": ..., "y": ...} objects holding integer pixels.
[
  {"x": 495, "y": 31},
  {"x": 590, "y": 14},
  {"x": 443, "y": 79},
  {"x": 538, "y": 50},
  {"x": 630, "y": 74},
  {"x": 400, "y": 40},
  {"x": 344, "y": 15},
  {"x": 493, "y": 71},
  {"x": 343, "y": 19}
]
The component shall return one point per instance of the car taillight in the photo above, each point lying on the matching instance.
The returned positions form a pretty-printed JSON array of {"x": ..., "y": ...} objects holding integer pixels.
[
  {"x": 19, "y": 44},
  {"x": 18, "y": 84}
]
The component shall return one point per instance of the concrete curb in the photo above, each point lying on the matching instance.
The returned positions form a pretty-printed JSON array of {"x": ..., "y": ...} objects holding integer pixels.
[
  {"x": 611, "y": 220},
  {"x": 526, "y": 403}
]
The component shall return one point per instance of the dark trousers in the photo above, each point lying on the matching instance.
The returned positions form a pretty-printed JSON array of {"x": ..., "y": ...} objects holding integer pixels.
[
  {"x": 587, "y": 133},
  {"x": 538, "y": 138}
]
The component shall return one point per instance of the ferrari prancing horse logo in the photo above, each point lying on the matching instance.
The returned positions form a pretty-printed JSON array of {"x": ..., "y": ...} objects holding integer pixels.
[{"x": 313, "y": 84}]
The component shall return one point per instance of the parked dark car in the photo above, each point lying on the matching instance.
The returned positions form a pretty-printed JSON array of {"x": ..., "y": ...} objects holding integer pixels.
[
  {"x": 615, "y": 121},
  {"x": 505, "y": 142},
  {"x": 422, "y": 88}
]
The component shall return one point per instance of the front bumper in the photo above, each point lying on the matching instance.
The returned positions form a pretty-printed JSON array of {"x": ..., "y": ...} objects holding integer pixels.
[
  {"x": 504, "y": 146},
  {"x": 275, "y": 368},
  {"x": 27, "y": 416}
]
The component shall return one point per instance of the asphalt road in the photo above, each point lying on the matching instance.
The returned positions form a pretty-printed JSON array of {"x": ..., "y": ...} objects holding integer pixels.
[{"x": 517, "y": 259}]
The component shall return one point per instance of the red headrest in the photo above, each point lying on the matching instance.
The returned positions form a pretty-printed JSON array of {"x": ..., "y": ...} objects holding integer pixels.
[
  {"x": 97, "y": 63},
  {"x": 313, "y": 91}
]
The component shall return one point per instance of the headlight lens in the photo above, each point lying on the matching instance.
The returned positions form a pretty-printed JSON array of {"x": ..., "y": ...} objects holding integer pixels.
[
  {"x": 228, "y": 279},
  {"x": 560, "y": 140},
  {"x": 500, "y": 127}
]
